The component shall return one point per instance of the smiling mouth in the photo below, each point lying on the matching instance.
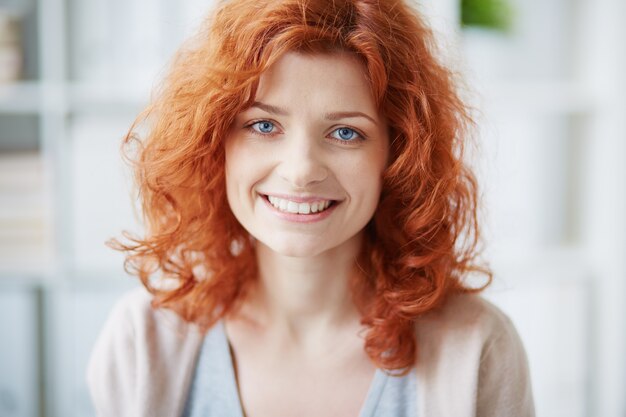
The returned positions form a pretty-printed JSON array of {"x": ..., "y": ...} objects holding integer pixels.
[{"x": 288, "y": 206}]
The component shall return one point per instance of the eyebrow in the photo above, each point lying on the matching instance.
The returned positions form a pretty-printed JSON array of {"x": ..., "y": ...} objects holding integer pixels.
[
  {"x": 328, "y": 116},
  {"x": 270, "y": 109},
  {"x": 347, "y": 115}
]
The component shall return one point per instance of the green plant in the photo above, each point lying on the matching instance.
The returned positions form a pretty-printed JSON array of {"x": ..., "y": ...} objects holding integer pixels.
[{"x": 491, "y": 14}]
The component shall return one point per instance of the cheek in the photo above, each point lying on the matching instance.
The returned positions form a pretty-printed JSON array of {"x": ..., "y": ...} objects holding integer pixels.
[
  {"x": 363, "y": 180},
  {"x": 238, "y": 163},
  {"x": 246, "y": 165},
  {"x": 233, "y": 173},
  {"x": 373, "y": 181}
]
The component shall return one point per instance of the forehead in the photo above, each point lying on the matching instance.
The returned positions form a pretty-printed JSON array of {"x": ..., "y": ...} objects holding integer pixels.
[{"x": 339, "y": 77}]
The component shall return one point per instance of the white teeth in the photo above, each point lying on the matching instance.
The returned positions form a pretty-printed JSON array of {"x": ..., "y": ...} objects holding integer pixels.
[
  {"x": 298, "y": 208},
  {"x": 292, "y": 207},
  {"x": 304, "y": 208}
]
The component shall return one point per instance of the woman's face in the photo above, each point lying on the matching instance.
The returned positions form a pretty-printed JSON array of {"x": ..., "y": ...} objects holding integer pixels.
[{"x": 304, "y": 163}]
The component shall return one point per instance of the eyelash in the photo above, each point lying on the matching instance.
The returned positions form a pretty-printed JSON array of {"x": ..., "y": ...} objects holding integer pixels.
[{"x": 359, "y": 138}]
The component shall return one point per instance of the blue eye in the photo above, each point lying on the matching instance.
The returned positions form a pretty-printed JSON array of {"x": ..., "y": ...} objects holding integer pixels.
[
  {"x": 345, "y": 134},
  {"x": 263, "y": 126}
]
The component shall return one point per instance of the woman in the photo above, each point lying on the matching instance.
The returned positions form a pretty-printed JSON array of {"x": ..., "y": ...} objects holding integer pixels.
[{"x": 310, "y": 224}]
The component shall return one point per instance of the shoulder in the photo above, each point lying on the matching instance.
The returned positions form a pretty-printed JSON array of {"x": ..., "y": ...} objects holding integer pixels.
[
  {"x": 131, "y": 309},
  {"x": 134, "y": 322},
  {"x": 470, "y": 352},
  {"x": 466, "y": 323},
  {"x": 143, "y": 355},
  {"x": 465, "y": 314},
  {"x": 134, "y": 315}
]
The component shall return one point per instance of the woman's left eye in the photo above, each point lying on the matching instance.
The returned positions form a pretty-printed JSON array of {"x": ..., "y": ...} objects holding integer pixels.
[{"x": 345, "y": 134}]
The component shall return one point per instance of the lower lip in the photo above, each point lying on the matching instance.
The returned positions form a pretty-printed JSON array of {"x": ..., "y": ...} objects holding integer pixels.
[{"x": 300, "y": 218}]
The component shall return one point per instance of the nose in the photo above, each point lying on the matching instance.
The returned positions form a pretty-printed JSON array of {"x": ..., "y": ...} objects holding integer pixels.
[{"x": 302, "y": 161}]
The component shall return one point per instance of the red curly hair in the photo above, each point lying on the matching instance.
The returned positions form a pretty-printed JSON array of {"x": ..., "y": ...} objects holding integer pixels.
[{"x": 422, "y": 240}]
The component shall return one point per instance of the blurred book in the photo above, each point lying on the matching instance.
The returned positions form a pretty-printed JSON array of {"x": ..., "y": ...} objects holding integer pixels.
[
  {"x": 22, "y": 212},
  {"x": 10, "y": 47}
]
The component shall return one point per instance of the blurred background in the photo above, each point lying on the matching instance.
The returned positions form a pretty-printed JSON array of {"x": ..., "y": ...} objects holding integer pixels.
[{"x": 546, "y": 79}]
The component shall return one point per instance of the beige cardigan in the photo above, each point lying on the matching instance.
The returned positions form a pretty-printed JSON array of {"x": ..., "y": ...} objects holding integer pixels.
[{"x": 471, "y": 362}]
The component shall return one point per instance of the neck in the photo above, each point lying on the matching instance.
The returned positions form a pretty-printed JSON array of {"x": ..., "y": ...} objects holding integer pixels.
[{"x": 303, "y": 298}]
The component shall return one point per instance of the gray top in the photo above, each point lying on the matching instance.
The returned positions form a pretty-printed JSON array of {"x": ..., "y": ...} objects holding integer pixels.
[{"x": 214, "y": 392}]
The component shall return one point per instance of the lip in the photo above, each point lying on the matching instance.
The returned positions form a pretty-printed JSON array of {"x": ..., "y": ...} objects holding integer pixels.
[{"x": 299, "y": 218}]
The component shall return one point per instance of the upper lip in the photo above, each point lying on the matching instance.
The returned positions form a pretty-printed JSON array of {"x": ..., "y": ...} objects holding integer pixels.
[{"x": 299, "y": 198}]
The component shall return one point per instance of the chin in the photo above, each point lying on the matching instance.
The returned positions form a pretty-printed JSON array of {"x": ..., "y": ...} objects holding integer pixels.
[
  {"x": 295, "y": 249},
  {"x": 303, "y": 246}
]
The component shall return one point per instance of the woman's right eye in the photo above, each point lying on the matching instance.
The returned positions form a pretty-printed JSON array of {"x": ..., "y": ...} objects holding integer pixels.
[{"x": 263, "y": 126}]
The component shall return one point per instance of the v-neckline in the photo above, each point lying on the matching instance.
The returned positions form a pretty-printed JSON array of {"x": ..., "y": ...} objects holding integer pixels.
[{"x": 368, "y": 407}]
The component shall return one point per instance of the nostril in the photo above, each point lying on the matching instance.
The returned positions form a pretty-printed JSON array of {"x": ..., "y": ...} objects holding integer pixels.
[{"x": 301, "y": 172}]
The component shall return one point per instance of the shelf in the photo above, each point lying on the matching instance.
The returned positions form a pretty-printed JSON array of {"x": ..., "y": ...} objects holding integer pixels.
[
  {"x": 108, "y": 98},
  {"x": 35, "y": 97}
]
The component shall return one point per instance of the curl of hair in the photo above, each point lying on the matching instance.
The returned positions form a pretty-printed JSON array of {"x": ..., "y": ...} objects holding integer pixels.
[{"x": 422, "y": 240}]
